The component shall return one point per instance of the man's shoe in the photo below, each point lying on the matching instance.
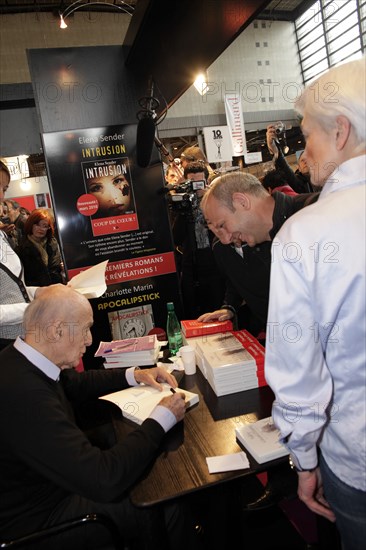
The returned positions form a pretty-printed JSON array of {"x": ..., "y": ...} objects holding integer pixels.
[{"x": 268, "y": 499}]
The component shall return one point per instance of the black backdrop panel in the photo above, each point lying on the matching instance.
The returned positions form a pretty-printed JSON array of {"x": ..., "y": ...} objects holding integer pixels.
[
  {"x": 83, "y": 87},
  {"x": 84, "y": 135}
]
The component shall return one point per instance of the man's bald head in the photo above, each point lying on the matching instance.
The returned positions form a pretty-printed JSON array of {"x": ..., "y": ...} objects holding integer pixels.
[
  {"x": 224, "y": 187},
  {"x": 57, "y": 324},
  {"x": 238, "y": 209},
  {"x": 56, "y": 303}
]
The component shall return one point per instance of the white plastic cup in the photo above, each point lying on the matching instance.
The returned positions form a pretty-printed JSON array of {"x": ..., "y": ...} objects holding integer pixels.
[{"x": 188, "y": 356}]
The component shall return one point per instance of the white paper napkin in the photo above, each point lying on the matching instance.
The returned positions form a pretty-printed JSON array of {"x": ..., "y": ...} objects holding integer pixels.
[{"x": 227, "y": 463}]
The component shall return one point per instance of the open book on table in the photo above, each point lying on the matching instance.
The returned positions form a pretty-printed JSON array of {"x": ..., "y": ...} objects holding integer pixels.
[{"x": 137, "y": 402}]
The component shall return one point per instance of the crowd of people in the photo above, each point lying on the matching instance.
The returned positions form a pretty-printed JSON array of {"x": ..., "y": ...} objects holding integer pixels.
[
  {"x": 238, "y": 272},
  {"x": 303, "y": 280},
  {"x": 283, "y": 257}
]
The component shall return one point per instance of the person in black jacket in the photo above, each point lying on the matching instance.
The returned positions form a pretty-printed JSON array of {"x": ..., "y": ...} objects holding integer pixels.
[
  {"x": 245, "y": 219},
  {"x": 50, "y": 471},
  {"x": 39, "y": 250},
  {"x": 298, "y": 180},
  {"x": 16, "y": 218},
  {"x": 202, "y": 284}
]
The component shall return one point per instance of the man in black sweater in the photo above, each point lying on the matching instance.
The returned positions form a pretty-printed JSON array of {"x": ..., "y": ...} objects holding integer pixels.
[
  {"x": 245, "y": 219},
  {"x": 50, "y": 471}
]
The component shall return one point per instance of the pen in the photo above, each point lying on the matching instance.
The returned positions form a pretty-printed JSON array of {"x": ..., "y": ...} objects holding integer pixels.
[
  {"x": 173, "y": 390},
  {"x": 117, "y": 348}
]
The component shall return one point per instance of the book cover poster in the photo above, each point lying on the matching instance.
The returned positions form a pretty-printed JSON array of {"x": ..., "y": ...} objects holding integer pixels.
[
  {"x": 131, "y": 322},
  {"x": 109, "y": 208},
  {"x": 109, "y": 181}
]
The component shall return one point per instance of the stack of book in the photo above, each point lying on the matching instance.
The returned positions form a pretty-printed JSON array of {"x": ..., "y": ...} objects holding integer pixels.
[
  {"x": 231, "y": 362},
  {"x": 129, "y": 352},
  {"x": 193, "y": 328},
  {"x": 194, "y": 332}
]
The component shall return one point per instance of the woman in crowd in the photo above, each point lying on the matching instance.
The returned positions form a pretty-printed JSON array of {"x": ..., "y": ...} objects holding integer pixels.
[{"x": 39, "y": 250}]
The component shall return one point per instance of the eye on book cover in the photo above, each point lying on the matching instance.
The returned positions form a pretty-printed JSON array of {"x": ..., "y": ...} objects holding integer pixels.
[
  {"x": 108, "y": 208},
  {"x": 109, "y": 181}
]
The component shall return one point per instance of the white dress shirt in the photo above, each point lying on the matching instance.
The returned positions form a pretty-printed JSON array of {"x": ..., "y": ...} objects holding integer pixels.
[{"x": 316, "y": 333}]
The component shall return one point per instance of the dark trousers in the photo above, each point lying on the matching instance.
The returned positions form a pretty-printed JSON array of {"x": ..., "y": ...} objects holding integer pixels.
[{"x": 348, "y": 505}]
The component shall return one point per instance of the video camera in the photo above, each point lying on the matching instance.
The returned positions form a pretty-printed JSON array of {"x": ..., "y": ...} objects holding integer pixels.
[{"x": 185, "y": 196}]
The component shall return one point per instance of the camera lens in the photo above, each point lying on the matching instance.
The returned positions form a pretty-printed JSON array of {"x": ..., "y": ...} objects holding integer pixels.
[{"x": 279, "y": 127}]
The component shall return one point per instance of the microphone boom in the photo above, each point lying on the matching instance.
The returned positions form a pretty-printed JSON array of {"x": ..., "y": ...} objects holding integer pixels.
[
  {"x": 145, "y": 140},
  {"x": 146, "y": 127}
]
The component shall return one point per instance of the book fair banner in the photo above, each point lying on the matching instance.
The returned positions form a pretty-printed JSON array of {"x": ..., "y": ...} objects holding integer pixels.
[
  {"x": 108, "y": 208},
  {"x": 235, "y": 121}
]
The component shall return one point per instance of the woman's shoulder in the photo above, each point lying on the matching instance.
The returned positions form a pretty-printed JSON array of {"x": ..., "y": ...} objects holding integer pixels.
[
  {"x": 27, "y": 249},
  {"x": 52, "y": 242},
  {"x": 24, "y": 244}
]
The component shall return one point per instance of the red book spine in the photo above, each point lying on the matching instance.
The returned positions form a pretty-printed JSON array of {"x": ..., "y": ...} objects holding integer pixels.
[
  {"x": 252, "y": 345},
  {"x": 256, "y": 350},
  {"x": 193, "y": 328}
]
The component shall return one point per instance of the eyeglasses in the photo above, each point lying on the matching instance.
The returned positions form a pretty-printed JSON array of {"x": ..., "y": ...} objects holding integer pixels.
[{"x": 45, "y": 227}]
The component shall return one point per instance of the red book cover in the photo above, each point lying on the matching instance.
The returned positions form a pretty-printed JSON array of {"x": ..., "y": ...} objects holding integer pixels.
[
  {"x": 256, "y": 350},
  {"x": 261, "y": 379},
  {"x": 193, "y": 328},
  {"x": 252, "y": 345}
]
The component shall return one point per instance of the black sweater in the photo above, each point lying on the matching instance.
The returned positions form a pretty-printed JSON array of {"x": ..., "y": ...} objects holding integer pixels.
[
  {"x": 247, "y": 277},
  {"x": 44, "y": 456}
]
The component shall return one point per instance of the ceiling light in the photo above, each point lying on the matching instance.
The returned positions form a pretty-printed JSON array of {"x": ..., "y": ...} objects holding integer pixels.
[
  {"x": 201, "y": 84},
  {"x": 79, "y": 4},
  {"x": 62, "y": 22}
]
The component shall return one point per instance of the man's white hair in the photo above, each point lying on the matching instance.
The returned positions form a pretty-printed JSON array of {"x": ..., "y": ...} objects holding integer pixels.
[{"x": 339, "y": 91}]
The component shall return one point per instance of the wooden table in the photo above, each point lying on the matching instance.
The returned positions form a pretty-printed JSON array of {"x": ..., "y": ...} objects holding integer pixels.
[{"x": 207, "y": 430}]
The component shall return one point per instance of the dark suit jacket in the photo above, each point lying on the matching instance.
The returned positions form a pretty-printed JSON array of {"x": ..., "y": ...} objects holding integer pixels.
[{"x": 45, "y": 457}]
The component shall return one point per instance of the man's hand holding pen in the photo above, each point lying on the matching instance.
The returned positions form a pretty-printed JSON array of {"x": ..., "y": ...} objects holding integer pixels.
[
  {"x": 175, "y": 403},
  {"x": 154, "y": 377}
]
